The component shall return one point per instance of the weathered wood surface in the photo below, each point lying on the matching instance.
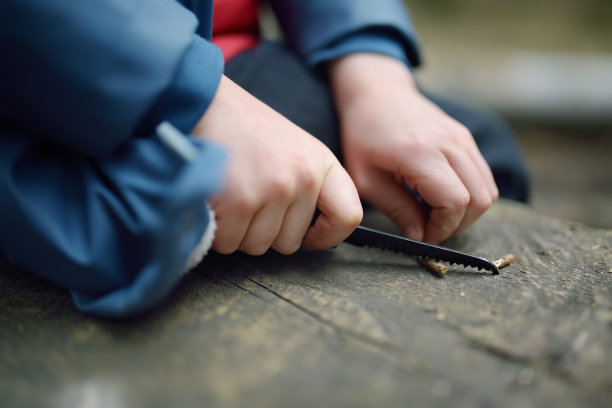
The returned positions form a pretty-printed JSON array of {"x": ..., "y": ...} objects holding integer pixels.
[{"x": 345, "y": 327}]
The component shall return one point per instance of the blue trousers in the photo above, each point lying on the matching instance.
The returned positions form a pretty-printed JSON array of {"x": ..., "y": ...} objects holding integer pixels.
[{"x": 276, "y": 76}]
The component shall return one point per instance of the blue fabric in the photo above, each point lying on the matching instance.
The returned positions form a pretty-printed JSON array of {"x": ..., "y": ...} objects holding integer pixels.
[
  {"x": 191, "y": 91},
  {"x": 314, "y": 25},
  {"x": 92, "y": 67},
  {"x": 375, "y": 41},
  {"x": 91, "y": 198},
  {"x": 116, "y": 231}
]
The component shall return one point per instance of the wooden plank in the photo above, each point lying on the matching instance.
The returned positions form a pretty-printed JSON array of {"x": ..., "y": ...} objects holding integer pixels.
[{"x": 348, "y": 327}]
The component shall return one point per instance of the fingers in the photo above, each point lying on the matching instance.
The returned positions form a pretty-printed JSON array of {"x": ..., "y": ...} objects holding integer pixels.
[
  {"x": 444, "y": 191},
  {"x": 476, "y": 176},
  {"x": 464, "y": 191},
  {"x": 231, "y": 227},
  {"x": 273, "y": 226},
  {"x": 295, "y": 224},
  {"x": 485, "y": 172},
  {"x": 477, "y": 185},
  {"x": 458, "y": 189},
  {"x": 482, "y": 188},
  {"x": 284, "y": 223},
  {"x": 383, "y": 191},
  {"x": 341, "y": 211},
  {"x": 472, "y": 151},
  {"x": 263, "y": 229}
]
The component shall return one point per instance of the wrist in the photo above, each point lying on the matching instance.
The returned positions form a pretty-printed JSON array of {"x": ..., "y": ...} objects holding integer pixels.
[{"x": 368, "y": 75}]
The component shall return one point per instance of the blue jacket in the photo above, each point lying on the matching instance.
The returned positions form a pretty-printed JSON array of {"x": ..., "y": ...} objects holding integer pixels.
[{"x": 101, "y": 188}]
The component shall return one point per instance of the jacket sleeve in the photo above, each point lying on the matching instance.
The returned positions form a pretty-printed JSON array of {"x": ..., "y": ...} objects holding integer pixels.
[
  {"x": 89, "y": 74},
  {"x": 116, "y": 231},
  {"x": 316, "y": 25},
  {"x": 95, "y": 194},
  {"x": 374, "y": 40}
]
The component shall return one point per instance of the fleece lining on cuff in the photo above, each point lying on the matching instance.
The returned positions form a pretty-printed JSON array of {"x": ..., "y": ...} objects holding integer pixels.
[{"x": 201, "y": 249}]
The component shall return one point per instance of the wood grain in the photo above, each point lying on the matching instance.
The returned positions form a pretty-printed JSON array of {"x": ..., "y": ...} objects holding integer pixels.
[{"x": 345, "y": 327}]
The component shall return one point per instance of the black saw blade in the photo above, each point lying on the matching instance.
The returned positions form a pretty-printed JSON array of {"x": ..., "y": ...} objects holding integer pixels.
[{"x": 368, "y": 237}]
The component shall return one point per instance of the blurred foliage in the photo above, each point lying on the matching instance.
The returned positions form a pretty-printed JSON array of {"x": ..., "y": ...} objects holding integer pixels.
[{"x": 573, "y": 25}]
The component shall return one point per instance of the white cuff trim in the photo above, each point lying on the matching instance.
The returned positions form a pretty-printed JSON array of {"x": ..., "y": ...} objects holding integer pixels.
[{"x": 201, "y": 249}]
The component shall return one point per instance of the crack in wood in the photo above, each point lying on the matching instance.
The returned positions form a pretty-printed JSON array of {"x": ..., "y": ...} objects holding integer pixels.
[
  {"x": 362, "y": 337},
  {"x": 215, "y": 281},
  {"x": 549, "y": 362},
  {"x": 250, "y": 292}
]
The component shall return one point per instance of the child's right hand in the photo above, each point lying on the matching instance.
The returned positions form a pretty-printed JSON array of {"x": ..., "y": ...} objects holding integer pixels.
[{"x": 277, "y": 175}]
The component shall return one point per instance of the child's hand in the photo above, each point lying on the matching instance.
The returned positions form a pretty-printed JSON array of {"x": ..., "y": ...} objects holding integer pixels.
[
  {"x": 393, "y": 137},
  {"x": 277, "y": 175}
]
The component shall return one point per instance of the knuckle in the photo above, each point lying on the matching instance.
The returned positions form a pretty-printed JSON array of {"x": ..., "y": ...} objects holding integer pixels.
[
  {"x": 439, "y": 230},
  {"x": 282, "y": 189},
  {"x": 257, "y": 242},
  {"x": 459, "y": 130},
  {"x": 225, "y": 242},
  {"x": 457, "y": 134},
  {"x": 483, "y": 203},
  {"x": 287, "y": 248},
  {"x": 443, "y": 227},
  {"x": 244, "y": 203},
  {"x": 463, "y": 131},
  {"x": 255, "y": 249},
  {"x": 399, "y": 215},
  {"x": 461, "y": 200},
  {"x": 282, "y": 186},
  {"x": 308, "y": 176},
  {"x": 310, "y": 183},
  {"x": 224, "y": 248},
  {"x": 495, "y": 195},
  {"x": 419, "y": 146}
]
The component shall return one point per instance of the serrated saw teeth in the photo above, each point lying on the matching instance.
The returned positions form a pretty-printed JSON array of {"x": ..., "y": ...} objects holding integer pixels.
[{"x": 368, "y": 237}]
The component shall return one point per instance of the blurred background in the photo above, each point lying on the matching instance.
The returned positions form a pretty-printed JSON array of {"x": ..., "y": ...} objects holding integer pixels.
[{"x": 546, "y": 67}]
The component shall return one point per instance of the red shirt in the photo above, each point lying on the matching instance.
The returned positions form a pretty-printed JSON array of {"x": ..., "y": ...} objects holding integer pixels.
[{"x": 235, "y": 26}]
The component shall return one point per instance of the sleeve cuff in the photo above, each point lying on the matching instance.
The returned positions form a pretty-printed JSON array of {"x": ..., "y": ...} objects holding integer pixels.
[
  {"x": 178, "y": 226},
  {"x": 374, "y": 40},
  {"x": 314, "y": 25},
  {"x": 193, "y": 87},
  {"x": 117, "y": 231}
]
